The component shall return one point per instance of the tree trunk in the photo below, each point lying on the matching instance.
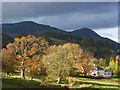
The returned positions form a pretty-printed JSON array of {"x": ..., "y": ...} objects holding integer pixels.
[
  {"x": 59, "y": 80},
  {"x": 85, "y": 73},
  {"x": 23, "y": 73},
  {"x": 8, "y": 74},
  {"x": 31, "y": 78},
  {"x": 23, "y": 69},
  {"x": 112, "y": 74}
]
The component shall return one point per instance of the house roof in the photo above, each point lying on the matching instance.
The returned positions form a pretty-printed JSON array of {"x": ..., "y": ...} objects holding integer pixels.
[{"x": 99, "y": 68}]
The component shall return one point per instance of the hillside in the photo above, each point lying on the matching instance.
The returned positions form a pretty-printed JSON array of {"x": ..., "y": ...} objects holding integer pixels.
[
  {"x": 86, "y": 32},
  {"x": 29, "y": 27},
  {"x": 87, "y": 38},
  {"x": 100, "y": 48},
  {"x": 6, "y": 39}
]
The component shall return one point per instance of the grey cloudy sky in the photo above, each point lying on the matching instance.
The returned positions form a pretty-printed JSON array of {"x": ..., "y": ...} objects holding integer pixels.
[{"x": 64, "y": 15}]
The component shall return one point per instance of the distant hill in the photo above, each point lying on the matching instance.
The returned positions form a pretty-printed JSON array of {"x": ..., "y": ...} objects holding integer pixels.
[
  {"x": 85, "y": 37},
  {"x": 29, "y": 27},
  {"x": 86, "y": 32},
  {"x": 100, "y": 48},
  {"x": 6, "y": 39}
]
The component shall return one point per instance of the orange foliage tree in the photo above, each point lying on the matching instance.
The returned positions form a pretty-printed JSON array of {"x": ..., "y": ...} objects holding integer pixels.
[
  {"x": 101, "y": 61},
  {"x": 27, "y": 50},
  {"x": 35, "y": 68},
  {"x": 84, "y": 63},
  {"x": 8, "y": 61}
]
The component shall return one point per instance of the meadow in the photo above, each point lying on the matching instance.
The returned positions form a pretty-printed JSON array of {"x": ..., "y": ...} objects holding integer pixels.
[{"x": 15, "y": 81}]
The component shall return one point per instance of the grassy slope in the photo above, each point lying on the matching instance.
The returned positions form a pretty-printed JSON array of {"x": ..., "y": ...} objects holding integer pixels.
[
  {"x": 77, "y": 82},
  {"x": 101, "y": 83},
  {"x": 57, "y": 40},
  {"x": 17, "y": 82}
]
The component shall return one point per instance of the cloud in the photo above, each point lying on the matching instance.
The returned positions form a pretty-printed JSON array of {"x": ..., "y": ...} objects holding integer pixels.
[
  {"x": 64, "y": 15},
  {"x": 102, "y": 17},
  {"x": 111, "y": 33},
  {"x": 73, "y": 21}
]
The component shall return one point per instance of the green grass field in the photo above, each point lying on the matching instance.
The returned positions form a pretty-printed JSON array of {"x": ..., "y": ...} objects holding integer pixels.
[
  {"x": 102, "y": 83},
  {"x": 17, "y": 82},
  {"x": 75, "y": 82},
  {"x": 58, "y": 40}
]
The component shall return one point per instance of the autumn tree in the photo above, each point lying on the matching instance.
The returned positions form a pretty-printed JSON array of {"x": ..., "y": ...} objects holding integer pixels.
[
  {"x": 105, "y": 63},
  {"x": 8, "y": 61},
  {"x": 27, "y": 50},
  {"x": 101, "y": 61},
  {"x": 111, "y": 58},
  {"x": 113, "y": 65},
  {"x": 84, "y": 63},
  {"x": 60, "y": 59},
  {"x": 116, "y": 71},
  {"x": 117, "y": 66},
  {"x": 35, "y": 68}
]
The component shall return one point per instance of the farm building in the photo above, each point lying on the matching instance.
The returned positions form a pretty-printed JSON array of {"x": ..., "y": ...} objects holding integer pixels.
[{"x": 99, "y": 71}]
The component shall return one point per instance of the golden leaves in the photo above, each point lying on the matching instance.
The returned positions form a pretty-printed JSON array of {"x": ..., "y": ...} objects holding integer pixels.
[
  {"x": 24, "y": 55},
  {"x": 33, "y": 49},
  {"x": 9, "y": 45},
  {"x": 60, "y": 59},
  {"x": 8, "y": 60},
  {"x": 16, "y": 39},
  {"x": 84, "y": 62},
  {"x": 117, "y": 57},
  {"x": 19, "y": 56},
  {"x": 27, "y": 50}
]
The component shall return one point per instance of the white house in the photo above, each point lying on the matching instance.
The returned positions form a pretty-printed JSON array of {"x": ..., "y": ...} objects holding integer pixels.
[
  {"x": 107, "y": 74},
  {"x": 99, "y": 71}
]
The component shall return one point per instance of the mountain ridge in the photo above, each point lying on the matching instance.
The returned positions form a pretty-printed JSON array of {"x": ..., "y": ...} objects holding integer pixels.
[{"x": 30, "y": 27}]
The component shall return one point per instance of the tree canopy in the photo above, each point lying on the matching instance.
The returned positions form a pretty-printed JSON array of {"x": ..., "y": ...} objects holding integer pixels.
[
  {"x": 59, "y": 60},
  {"x": 27, "y": 50}
]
